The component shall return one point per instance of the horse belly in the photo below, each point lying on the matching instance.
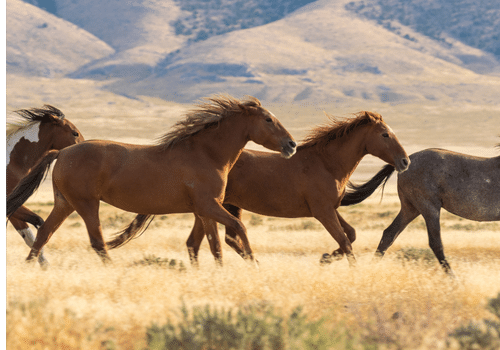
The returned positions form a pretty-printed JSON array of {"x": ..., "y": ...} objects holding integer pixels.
[
  {"x": 147, "y": 198},
  {"x": 268, "y": 186},
  {"x": 269, "y": 202},
  {"x": 480, "y": 202}
]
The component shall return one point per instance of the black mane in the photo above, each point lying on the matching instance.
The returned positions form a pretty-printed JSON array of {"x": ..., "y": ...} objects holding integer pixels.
[{"x": 40, "y": 114}]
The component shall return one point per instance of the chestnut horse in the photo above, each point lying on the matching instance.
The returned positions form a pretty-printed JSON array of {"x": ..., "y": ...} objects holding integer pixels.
[
  {"x": 311, "y": 184},
  {"x": 31, "y": 133},
  {"x": 185, "y": 172},
  {"x": 464, "y": 185}
]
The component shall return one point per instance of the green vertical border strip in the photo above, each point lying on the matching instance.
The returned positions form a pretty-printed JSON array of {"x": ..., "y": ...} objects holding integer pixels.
[{"x": 3, "y": 339}]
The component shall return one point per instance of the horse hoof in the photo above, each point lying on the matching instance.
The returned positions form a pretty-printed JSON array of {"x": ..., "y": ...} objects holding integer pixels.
[
  {"x": 44, "y": 263},
  {"x": 326, "y": 259}
]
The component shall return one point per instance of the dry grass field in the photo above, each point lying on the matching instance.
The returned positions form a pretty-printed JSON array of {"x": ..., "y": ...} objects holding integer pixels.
[{"x": 77, "y": 303}]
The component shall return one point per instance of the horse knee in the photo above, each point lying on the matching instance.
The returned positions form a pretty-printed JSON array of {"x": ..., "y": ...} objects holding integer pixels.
[
  {"x": 351, "y": 234},
  {"x": 237, "y": 227}
]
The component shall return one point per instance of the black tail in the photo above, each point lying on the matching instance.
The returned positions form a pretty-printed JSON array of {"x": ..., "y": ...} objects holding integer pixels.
[
  {"x": 30, "y": 183},
  {"x": 136, "y": 227},
  {"x": 358, "y": 193}
]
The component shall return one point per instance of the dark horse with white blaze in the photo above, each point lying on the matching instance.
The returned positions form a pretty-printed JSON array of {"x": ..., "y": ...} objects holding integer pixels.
[
  {"x": 30, "y": 134},
  {"x": 465, "y": 185},
  {"x": 185, "y": 172}
]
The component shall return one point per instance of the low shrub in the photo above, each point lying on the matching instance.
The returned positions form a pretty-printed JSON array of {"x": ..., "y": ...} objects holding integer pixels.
[
  {"x": 153, "y": 260},
  {"x": 423, "y": 256},
  {"x": 481, "y": 335},
  {"x": 252, "y": 327}
]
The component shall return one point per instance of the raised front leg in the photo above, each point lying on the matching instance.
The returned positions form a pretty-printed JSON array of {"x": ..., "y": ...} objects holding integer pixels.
[
  {"x": 232, "y": 238},
  {"x": 330, "y": 220},
  {"x": 339, "y": 253}
]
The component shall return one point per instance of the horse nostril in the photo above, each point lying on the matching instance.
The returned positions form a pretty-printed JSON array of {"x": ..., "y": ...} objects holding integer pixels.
[
  {"x": 292, "y": 144},
  {"x": 405, "y": 162}
]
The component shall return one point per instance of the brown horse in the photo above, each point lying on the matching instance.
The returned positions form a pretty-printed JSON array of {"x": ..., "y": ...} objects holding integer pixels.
[
  {"x": 464, "y": 185},
  {"x": 311, "y": 184},
  {"x": 185, "y": 172},
  {"x": 30, "y": 134}
]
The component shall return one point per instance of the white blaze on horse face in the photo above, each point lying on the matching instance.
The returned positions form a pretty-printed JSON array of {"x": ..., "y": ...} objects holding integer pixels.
[{"x": 29, "y": 133}]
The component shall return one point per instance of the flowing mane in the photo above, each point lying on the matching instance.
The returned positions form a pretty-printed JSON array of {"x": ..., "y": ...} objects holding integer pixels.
[
  {"x": 338, "y": 128},
  {"x": 24, "y": 118},
  {"x": 204, "y": 116}
]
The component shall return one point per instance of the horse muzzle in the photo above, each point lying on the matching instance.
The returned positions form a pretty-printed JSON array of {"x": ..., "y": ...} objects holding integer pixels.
[
  {"x": 402, "y": 165},
  {"x": 288, "y": 149}
]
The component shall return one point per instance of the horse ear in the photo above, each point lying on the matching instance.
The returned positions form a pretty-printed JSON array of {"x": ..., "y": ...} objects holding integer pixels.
[
  {"x": 246, "y": 107},
  {"x": 51, "y": 118},
  {"x": 374, "y": 117}
]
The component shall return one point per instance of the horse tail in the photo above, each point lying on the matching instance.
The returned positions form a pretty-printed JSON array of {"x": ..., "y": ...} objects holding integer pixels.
[
  {"x": 136, "y": 228},
  {"x": 359, "y": 193},
  {"x": 30, "y": 183}
]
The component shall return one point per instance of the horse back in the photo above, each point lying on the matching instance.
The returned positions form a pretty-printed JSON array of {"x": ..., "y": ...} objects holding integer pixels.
[{"x": 465, "y": 185}]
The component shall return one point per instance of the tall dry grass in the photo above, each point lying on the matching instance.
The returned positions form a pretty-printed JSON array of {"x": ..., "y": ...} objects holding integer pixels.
[{"x": 80, "y": 304}]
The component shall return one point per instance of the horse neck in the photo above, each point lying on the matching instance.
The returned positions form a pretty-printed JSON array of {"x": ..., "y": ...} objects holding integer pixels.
[
  {"x": 343, "y": 155},
  {"x": 35, "y": 144},
  {"x": 224, "y": 143}
]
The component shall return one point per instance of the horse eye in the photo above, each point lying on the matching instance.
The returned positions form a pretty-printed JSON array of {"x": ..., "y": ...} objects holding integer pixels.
[
  {"x": 75, "y": 134},
  {"x": 385, "y": 134},
  {"x": 269, "y": 119}
]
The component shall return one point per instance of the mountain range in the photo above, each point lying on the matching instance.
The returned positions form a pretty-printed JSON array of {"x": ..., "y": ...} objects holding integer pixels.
[{"x": 394, "y": 51}]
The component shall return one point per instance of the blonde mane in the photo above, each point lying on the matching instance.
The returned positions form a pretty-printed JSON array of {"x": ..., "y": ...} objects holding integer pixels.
[{"x": 204, "y": 116}]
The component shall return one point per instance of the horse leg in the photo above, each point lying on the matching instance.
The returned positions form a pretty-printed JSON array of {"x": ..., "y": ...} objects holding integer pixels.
[
  {"x": 333, "y": 226},
  {"x": 407, "y": 214},
  {"x": 26, "y": 215},
  {"x": 194, "y": 240},
  {"x": 59, "y": 213},
  {"x": 232, "y": 238},
  {"x": 210, "y": 229},
  {"x": 216, "y": 211},
  {"x": 26, "y": 233},
  {"x": 339, "y": 253},
  {"x": 89, "y": 211},
  {"x": 434, "y": 232}
]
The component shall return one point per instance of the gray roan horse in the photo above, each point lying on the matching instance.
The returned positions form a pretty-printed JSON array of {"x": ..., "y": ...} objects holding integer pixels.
[
  {"x": 464, "y": 185},
  {"x": 30, "y": 134}
]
